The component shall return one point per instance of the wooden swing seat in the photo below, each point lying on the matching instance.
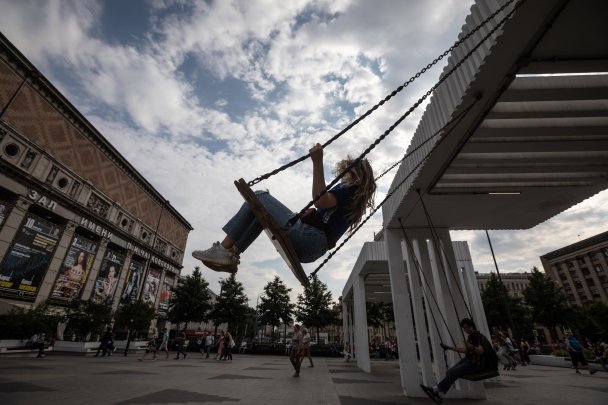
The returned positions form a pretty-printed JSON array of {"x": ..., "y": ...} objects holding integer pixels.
[
  {"x": 275, "y": 232},
  {"x": 482, "y": 375}
]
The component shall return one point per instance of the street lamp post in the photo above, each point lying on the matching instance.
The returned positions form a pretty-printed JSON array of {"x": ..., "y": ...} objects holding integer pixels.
[{"x": 502, "y": 295}]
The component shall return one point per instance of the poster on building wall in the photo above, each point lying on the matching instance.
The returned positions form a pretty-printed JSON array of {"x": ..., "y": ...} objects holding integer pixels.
[
  {"x": 5, "y": 209},
  {"x": 165, "y": 295},
  {"x": 74, "y": 270},
  {"x": 107, "y": 279},
  {"x": 151, "y": 287},
  {"x": 132, "y": 282},
  {"x": 28, "y": 258}
]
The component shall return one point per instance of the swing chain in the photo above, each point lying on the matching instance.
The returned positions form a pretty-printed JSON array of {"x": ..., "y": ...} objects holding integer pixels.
[
  {"x": 401, "y": 87},
  {"x": 442, "y": 79},
  {"x": 458, "y": 118}
]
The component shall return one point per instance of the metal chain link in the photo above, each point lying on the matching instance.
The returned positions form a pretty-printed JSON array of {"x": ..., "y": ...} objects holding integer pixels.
[
  {"x": 407, "y": 113},
  {"x": 456, "y": 119},
  {"x": 396, "y": 91}
]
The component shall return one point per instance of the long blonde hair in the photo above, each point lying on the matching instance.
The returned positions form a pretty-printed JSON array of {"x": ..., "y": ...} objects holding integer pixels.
[{"x": 362, "y": 176}]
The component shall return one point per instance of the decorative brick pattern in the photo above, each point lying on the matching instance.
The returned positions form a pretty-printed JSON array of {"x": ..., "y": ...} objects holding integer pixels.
[{"x": 42, "y": 123}]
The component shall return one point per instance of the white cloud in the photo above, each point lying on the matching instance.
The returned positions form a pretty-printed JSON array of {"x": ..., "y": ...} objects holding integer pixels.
[{"x": 305, "y": 66}]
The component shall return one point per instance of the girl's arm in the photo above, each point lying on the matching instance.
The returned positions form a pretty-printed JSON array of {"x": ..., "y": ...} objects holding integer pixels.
[{"x": 328, "y": 200}]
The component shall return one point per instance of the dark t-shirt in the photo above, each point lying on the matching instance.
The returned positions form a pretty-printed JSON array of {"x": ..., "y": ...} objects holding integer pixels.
[
  {"x": 482, "y": 360},
  {"x": 337, "y": 217}
]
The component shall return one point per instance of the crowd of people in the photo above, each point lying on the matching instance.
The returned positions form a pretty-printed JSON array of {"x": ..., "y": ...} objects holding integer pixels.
[{"x": 205, "y": 343}]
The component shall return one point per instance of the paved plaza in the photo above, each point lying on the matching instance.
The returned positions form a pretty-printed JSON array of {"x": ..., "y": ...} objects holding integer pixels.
[{"x": 268, "y": 380}]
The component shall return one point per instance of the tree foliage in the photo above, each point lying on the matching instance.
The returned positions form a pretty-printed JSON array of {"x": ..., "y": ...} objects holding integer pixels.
[
  {"x": 87, "y": 319},
  {"x": 590, "y": 320},
  {"x": 191, "y": 299},
  {"x": 375, "y": 314},
  {"x": 135, "y": 316},
  {"x": 546, "y": 300},
  {"x": 597, "y": 312},
  {"x": 498, "y": 305},
  {"x": 231, "y": 305},
  {"x": 20, "y": 323},
  {"x": 275, "y": 306},
  {"x": 315, "y": 305}
]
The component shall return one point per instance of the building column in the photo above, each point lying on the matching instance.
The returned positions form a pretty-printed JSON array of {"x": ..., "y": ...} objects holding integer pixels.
[
  {"x": 344, "y": 320},
  {"x": 404, "y": 330},
  {"x": 55, "y": 265},
  {"x": 465, "y": 263},
  {"x": 121, "y": 281},
  {"x": 445, "y": 294},
  {"x": 90, "y": 282},
  {"x": 12, "y": 224},
  {"x": 360, "y": 325},
  {"x": 416, "y": 287},
  {"x": 437, "y": 296}
]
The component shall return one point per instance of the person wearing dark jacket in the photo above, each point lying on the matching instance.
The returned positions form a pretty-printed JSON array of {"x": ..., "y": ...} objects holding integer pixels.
[
  {"x": 479, "y": 357},
  {"x": 106, "y": 344}
]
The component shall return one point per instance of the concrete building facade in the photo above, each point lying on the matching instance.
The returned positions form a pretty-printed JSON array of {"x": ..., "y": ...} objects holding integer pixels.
[
  {"x": 515, "y": 283},
  {"x": 581, "y": 269},
  {"x": 77, "y": 221}
]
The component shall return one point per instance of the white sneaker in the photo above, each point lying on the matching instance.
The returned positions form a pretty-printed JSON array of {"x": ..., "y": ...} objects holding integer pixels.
[{"x": 218, "y": 258}]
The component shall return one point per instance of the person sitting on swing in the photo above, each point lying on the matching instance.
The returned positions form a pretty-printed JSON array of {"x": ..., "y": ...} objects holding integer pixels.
[
  {"x": 338, "y": 210},
  {"x": 479, "y": 357}
]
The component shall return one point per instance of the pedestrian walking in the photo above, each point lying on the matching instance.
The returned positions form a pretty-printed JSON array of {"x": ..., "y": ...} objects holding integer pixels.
[
  {"x": 152, "y": 346},
  {"x": 164, "y": 343},
  {"x": 106, "y": 345},
  {"x": 576, "y": 354},
  {"x": 180, "y": 345},
  {"x": 305, "y": 349},
  {"x": 228, "y": 345},
  {"x": 209, "y": 340},
  {"x": 220, "y": 346},
  {"x": 243, "y": 347},
  {"x": 294, "y": 356}
]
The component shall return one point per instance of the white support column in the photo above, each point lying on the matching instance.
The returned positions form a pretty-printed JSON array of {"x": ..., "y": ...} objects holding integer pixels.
[
  {"x": 465, "y": 263},
  {"x": 437, "y": 331},
  {"x": 351, "y": 332},
  {"x": 465, "y": 389},
  {"x": 360, "y": 325},
  {"x": 404, "y": 323},
  {"x": 422, "y": 333}
]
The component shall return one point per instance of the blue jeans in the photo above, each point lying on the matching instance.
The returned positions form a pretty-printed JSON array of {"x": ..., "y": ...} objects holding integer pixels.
[
  {"x": 462, "y": 368},
  {"x": 309, "y": 242}
]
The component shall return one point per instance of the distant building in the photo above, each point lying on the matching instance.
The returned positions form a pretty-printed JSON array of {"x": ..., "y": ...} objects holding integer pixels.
[
  {"x": 77, "y": 220},
  {"x": 514, "y": 282},
  {"x": 581, "y": 269}
]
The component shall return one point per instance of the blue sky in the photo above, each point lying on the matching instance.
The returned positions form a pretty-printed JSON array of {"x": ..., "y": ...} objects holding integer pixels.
[{"x": 199, "y": 93}]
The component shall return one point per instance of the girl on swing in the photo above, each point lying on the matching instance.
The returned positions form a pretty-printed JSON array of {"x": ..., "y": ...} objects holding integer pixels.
[{"x": 338, "y": 210}]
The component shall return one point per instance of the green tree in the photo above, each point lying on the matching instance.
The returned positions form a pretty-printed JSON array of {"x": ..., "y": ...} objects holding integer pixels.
[
  {"x": 597, "y": 313},
  {"x": 275, "y": 306},
  {"x": 546, "y": 300},
  {"x": 191, "y": 300},
  {"x": 135, "y": 316},
  {"x": 590, "y": 320},
  {"x": 375, "y": 314},
  {"x": 20, "y": 323},
  {"x": 314, "y": 307},
  {"x": 496, "y": 303},
  {"x": 231, "y": 305},
  {"x": 389, "y": 315},
  {"x": 87, "y": 319}
]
